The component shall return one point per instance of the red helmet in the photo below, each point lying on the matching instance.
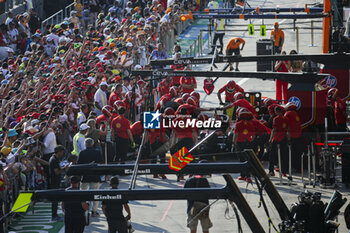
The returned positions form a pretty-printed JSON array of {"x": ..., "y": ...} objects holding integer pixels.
[
  {"x": 179, "y": 100},
  {"x": 118, "y": 104},
  {"x": 230, "y": 86},
  {"x": 192, "y": 101},
  {"x": 129, "y": 96},
  {"x": 195, "y": 94},
  {"x": 268, "y": 101},
  {"x": 165, "y": 99},
  {"x": 107, "y": 110},
  {"x": 185, "y": 97},
  {"x": 332, "y": 93},
  {"x": 203, "y": 117},
  {"x": 290, "y": 106},
  {"x": 169, "y": 111},
  {"x": 244, "y": 114},
  {"x": 173, "y": 91},
  {"x": 238, "y": 96}
]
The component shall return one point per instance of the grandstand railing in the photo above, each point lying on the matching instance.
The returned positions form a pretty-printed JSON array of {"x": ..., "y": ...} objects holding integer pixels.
[{"x": 58, "y": 17}]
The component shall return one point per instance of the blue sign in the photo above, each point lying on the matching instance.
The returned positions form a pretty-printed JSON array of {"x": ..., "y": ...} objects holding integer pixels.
[
  {"x": 330, "y": 81},
  {"x": 151, "y": 120},
  {"x": 295, "y": 100}
]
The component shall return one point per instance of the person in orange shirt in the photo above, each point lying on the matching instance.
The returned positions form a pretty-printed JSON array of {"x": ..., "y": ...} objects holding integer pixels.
[
  {"x": 277, "y": 35},
  {"x": 233, "y": 46}
]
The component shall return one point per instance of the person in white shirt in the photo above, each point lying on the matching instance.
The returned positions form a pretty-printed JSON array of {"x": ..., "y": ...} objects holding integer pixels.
[
  {"x": 12, "y": 35},
  {"x": 100, "y": 98},
  {"x": 126, "y": 85},
  {"x": 10, "y": 18}
]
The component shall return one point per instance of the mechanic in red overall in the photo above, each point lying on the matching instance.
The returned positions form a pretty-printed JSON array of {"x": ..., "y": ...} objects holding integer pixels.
[
  {"x": 230, "y": 89},
  {"x": 243, "y": 134},
  {"x": 164, "y": 86},
  {"x": 295, "y": 134},
  {"x": 182, "y": 136},
  {"x": 156, "y": 139},
  {"x": 240, "y": 102},
  {"x": 279, "y": 136},
  {"x": 116, "y": 94},
  {"x": 173, "y": 93},
  {"x": 262, "y": 135},
  {"x": 281, "y": 86},
  {"x": 188, "y": 84},
  {"x": 122, "y": 133},
  {"x": 339, "y": 108}
]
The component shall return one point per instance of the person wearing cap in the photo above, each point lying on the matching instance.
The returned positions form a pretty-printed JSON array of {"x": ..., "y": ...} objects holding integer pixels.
[
  {"x": 113, "y": 210},
  {"x": 121, "y": 130},
  {"x": 79, "y": 139},
  {"x": 81, "y": 116},
  {"x": 55, "y": 177},
  {"x": 90, "y": 155},
  {"x": 279, "y": 135},
  {"x": 100, "y": 98},
  {"x": 11, "y": 137},
  {"x": 74, "y": 211},
  {"x": 277, "y": 35}
]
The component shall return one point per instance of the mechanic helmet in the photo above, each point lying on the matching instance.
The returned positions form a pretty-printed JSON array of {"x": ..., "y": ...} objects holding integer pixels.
[
  {"x": 203, "y": 117},
  {"x": 192, "y": 101},
  {"x": 179, "y": 100},
  {"x": 244, "y": 114},
  {"x": 178, "y": 91},
  {"x": 279, "y": 109},
  {"x": 268, "y": 101},
  {"x": 332, "y": 93},
  {"x": 290, "y": 106},
  {"x": 118, "y": 104},
  {"x": 107, "y": 110},
  {"x": 238, "y": 96},
  {"x": 231, "y": 86},
  {"x": 169, "y": 111},
  {"x": 173, "y": 91},
  {"x": 185, "y": 96},
  {"x": 195, "y": 94},
  {"x": 165, "y": 100}
]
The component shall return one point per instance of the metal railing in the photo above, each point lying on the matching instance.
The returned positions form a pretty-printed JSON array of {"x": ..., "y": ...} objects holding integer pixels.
[
  {"x": 56, "y": 18},
  {"x": 10, "y": 4}
]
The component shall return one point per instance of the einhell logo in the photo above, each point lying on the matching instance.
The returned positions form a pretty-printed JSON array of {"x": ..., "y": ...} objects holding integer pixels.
[
  {"x": 107, "y": 197},
  {"x": 152, "y": 120}
]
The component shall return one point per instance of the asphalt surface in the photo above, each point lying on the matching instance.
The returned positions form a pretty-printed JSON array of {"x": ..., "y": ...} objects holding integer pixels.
[{"x": 170, "y": 216}]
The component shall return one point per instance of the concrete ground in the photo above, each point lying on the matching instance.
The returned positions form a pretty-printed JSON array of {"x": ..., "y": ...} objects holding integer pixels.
[{"x": 170, "y": 216}]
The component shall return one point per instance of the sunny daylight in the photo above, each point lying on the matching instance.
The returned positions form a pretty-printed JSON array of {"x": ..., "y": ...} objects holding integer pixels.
[{"x": 174, "y": 116}]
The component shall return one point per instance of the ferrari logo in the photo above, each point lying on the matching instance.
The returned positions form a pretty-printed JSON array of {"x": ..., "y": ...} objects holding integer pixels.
[{"x": 178, "y": 161}]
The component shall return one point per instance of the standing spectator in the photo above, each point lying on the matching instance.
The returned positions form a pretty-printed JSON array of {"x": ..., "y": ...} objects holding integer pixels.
[
  {"x": 55, "y": 177},
  {"x": 277, "y": 35},
  {"x": 218, "y": 35},
  {"x": 34, "y": 21},
  {"x": 158, "y": 53},
  {"x": 90, "y": 155},
  {"x": 10, "y": 18},
  {"x": 79, "y": 139},
  {"x": 12, "y": 35},
  {"x": 113, "y": 210},
  {"x": 81, "y": 116},
  {"x": 100, "y": 98}
]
